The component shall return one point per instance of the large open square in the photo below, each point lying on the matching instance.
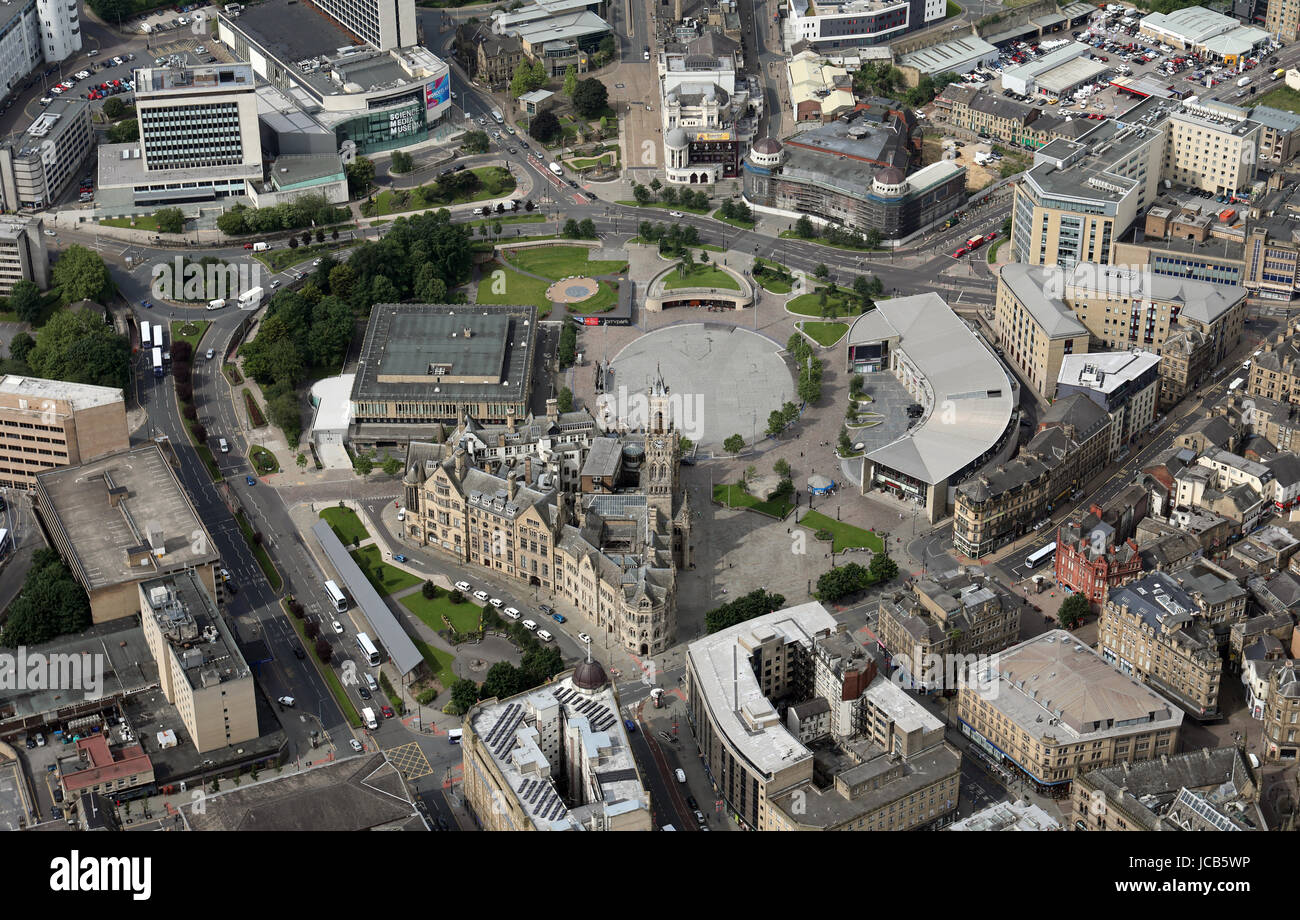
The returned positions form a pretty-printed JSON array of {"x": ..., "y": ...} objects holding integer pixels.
[{"x": 729, "y": 379}]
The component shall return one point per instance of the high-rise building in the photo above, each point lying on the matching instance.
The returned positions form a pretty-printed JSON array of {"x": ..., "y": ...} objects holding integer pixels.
[
  {"x": 383, "y": 23},
  {"x": 198, "y": 117},
  {"x": 39, "y": 164},
  {"x": 50, "y": 423},
  {"x": 23, "y": 256},
  {"x": 60, "y": 28}
]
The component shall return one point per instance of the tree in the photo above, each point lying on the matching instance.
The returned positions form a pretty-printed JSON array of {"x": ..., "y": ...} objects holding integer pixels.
[
  {"x": 754, "y": 604},
  {"x": 170, "y": 220},
  {"x": 525, "y": 79},
  {"x": 360, "y": 173},
  {"x": 873, "y": 238},
  {"x": 402, "y": 162},
  {"x": 306, "y": 237},
  {"x": 76, "y": 346},
  {"x": 567, "y": 352},
  {"x": 124, "y": 132},
  {"x": 464, "y": 694},
  {"x": 821, "y": 271},
  {"x": 502, "y": 681},
  {"x": 293, "y": 242},
  {"x": 842, "y": 581},
  {"x": 25, "y": 301},
  {"x": 81, "y": 274},
  {"x": 587, "y": 229},
  {"x": 301, "y": 461},
  {"x": 734, "y": 444},
  {"x": 323, "y": 650},
  {"x": 363, "y": 465},
  {"x": 391, "y": 466},
  {"x": 570, "y": 231},
  {"x": 114, "y": 108},
  {"x": 570, "y": 80},
  {"x": 641, "y": 194},
  {"x": 1072, "y": 610},
  {"x": 590, "y": 97},
  {"x": 51, "y": 603},
  {"x": 882, "y": 568},
  {"x": 455, "y": 596},
  {"x": 475, "y": 142},
  {"x": 565, "y": 399},
  {"x": 544, "y": 126},
  {"x": 429, "y": 590},
  {"x": 803, "y": 228},
  {"x": 782, "y": 468},
  {"x": 20, "y": 346},
  {"x": 775, "y": 423}
]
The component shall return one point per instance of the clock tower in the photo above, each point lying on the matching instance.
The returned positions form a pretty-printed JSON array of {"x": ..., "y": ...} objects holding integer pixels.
[{"x": 662, "y": 465}]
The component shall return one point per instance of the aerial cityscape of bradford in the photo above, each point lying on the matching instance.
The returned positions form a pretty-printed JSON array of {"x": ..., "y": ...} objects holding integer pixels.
[{"x": 649, "y": 415}]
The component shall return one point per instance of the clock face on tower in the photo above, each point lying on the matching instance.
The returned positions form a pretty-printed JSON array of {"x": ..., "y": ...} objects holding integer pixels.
[{"x": 659, "y": 443}]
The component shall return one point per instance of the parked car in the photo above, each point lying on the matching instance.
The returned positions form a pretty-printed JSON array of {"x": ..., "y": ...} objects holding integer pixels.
[
  {"x": 495, "y": 602},
  {"x": 481, "y": 596},
  {"x": 463, "y": 586},
  {"x": 546, "y": 609},
  {"x": 584, "y": 638},
  {"x": 530, "y": 625},
  {"x": 545, "y": 636},
  {"x": 400, "y": 557},
  {"x": 356, "y": 745},
  {"x": 511, "y": 612},
  {"x": 387, "y": 711},
  {"x": 558, "y": 617}
]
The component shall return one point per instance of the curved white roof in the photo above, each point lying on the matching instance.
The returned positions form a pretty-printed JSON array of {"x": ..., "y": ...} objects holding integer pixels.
[{"x": 972, "y": 396}]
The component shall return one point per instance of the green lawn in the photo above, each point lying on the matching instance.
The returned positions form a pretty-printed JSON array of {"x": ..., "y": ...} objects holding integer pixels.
[
  {"x": 143, "y": 222},
  {"x": 439, "y": 662},
  {"x": 774, "y": 285},
  {"x": 556, "y": 262},
  {"x": 1280, "y": 97},
  {"x": 846, "y": 535},
  {"x": 464, "y": 616},
  {"x": 506, "y": 219},
  {"x": 259, "y": 551},
  {"x": 604, "y": 299},
  {"x": 667, "y": 207},
  {"x": 843, "y": 302},
  {"x": 791, "y": 235},
  {"x": 824, "y": 333},
  {"x": 326, "y": 671},
  {"x": 993, "y": 250},
  {"x": 345, "y": 524},
  {"x": 742, "y": 224},
  {"x": 386, "y": 578},
  {"x": 190, "y": 331},
  {"x": 510, "y": 287},
  {"x": 702, "y": 276},
  {"x": 609, "y": 158},
  {"x": 733, "y": 496}
]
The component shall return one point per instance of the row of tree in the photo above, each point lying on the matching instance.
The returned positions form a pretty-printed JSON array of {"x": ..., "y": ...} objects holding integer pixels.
[
  {"x": 695, "y": 199},
  {"x": 754, "y": 604},
  {"x": 809, "y": 387},
  {"x": 307, "y": 211},
  {"x": 672, "y": 238},
  {"x": 579, "y": 230},
  {"x": 76, "y": 346},
  {"x": 51, "y": 604},
  {"x": 852, "y": 577},
  {"x": 805, "y": 229}
]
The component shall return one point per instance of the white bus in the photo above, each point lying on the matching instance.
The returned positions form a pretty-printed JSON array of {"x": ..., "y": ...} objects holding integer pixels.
[
  {"x": 368, "y": 649},
  {"x": 1034, "y": 560},
  {"x": 157, "y": 362},
  {"x": 337, "y": 596},
  {"x": 1236, "y": 384},
  {"x": 146, "y": 335}
]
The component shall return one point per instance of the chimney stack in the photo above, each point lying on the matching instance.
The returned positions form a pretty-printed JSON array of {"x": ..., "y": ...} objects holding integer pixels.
[
  {"x": 512, "y": 485},
  {"x": 553, "y": 409},
  {"x": 528, "y": 469},
  {"x": 462, "y": 463},
  {"x": 510, "y": 419}
]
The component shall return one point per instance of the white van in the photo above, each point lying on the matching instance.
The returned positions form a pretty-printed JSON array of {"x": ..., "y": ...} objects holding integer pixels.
[
  {"x": 371, "y": 682},
  {"x": 681, "y": 775},
  {"x": 260, "y": 247},
  {"x": 368, "y": 716},
  {"x": 225, "y": 448}
]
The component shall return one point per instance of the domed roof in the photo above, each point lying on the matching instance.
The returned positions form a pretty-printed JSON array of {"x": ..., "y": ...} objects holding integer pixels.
[
  {"x": 675, "y": 138},
  {"x": 891, "y": 175},
  {"x": 589, "y": 675},
  {"x": 767, "y": 145}
]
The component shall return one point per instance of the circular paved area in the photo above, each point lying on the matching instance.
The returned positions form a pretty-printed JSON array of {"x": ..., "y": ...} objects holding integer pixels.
[
  {"x": 572, "y": 290},
  {"x": 726, "y": 380}
]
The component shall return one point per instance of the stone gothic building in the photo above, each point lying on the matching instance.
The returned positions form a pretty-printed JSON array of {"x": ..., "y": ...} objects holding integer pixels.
[{"x": 613, "y": 552}]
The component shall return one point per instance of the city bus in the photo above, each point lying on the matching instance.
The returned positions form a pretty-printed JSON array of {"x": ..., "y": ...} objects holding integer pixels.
[
  {"x": 368, "y": 649},
  {"x": 340, "y": 602},
  {"x": 157, "y": 362},
  {"x": 146, "y": 335},
  {"x": 1034, "y": 560}
]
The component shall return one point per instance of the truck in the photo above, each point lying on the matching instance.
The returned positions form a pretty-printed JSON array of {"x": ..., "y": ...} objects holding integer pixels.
[
  {"x": 260, "y": 247},
  {"x": 975, "y": 242},
  {"x": 1279, "y": 73},
  {"x": 1244, "y": 81},
  {"x": 555, "y": 168},
  {"x": 368, "y": 716},
  {"x": 250, "y": 299}
]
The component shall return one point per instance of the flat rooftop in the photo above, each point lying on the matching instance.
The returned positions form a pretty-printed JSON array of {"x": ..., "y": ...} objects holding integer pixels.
[
  {"x": 151, "y": 80},
  {"x": 1053, "y": 59},
  {"x": 81, "y": 396},
  {"x": 1008, "y": 816},
  {"x": 1105, "y": 371},
  {"x": 510, "y": 730},
  {"x": 1202, "y": 301},
  {"x": 78, "y": 500},
  {"x": 1071, "y": 74},
  {"x": 723, "y": 677},
  {"x": 1056, "y": 689},
  {"x": 960, "y": 371},
  {"x": 418, "y": 339},
  {"x": 189, "y": 620},
  {"x": 291, "y": 31}
]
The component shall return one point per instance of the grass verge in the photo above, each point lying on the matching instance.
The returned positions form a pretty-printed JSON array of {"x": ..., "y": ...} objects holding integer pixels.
[
  {"x": 556, "y": 262},
  {"x": 702, "y": 276},
  {"x": 326, "y": 672},
  {"x": 263, "y": 460},
  {"x": 824, "y": 333},
  {"x": 387, "y": 579},
  {"x": 464, "y": 616},
  {"x": 191, "y": 331},
  {"x": 345, "y": 524},
  {"x": 260, "y": 553},
  {"x": 846, "y": 535},
  {"x": 733, "y": 496}
]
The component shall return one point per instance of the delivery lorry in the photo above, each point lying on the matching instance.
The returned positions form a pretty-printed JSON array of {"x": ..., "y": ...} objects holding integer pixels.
[{"x": 250, "y": 299}]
